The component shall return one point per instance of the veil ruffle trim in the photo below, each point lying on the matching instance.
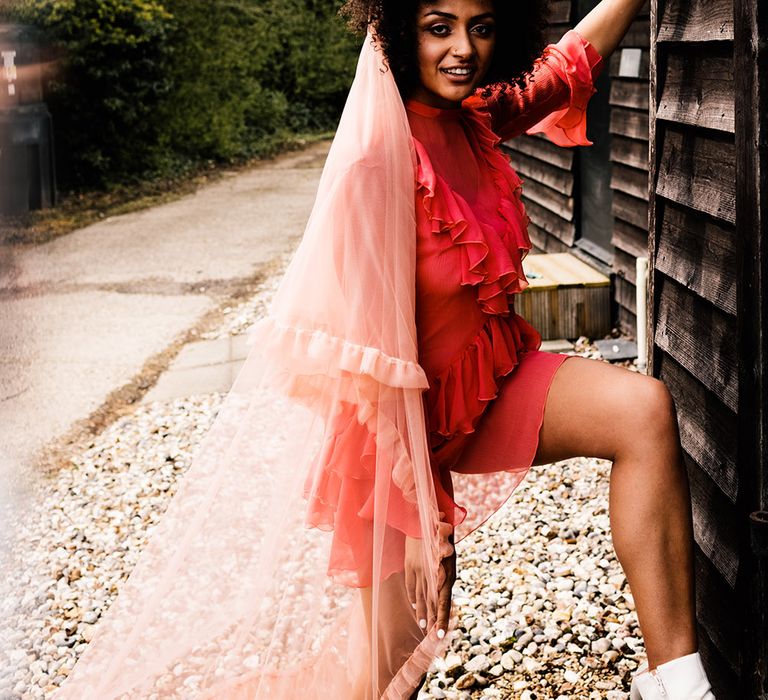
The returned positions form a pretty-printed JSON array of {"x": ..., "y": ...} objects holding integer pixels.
[{"x": 310, "y": 351}]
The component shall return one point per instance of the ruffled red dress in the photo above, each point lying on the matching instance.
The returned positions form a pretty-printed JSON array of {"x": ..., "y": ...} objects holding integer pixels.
[{"x": 488, "y": 380}]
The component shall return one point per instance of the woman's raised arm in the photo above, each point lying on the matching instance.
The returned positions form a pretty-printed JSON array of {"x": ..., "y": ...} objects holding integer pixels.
[
  {"x": 555, "y": 97},
  {"x": 607, "y": 23}
]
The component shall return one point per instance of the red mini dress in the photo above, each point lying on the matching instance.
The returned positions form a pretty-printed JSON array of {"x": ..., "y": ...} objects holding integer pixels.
[{"x": 488, "y": 380}]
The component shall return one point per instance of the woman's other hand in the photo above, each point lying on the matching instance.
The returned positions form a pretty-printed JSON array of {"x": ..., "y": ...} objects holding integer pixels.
[{"x": 415, "y": 582}]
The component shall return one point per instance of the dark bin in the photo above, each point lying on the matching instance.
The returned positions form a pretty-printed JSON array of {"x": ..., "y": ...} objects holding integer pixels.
[{"x": 27, "y": 172}]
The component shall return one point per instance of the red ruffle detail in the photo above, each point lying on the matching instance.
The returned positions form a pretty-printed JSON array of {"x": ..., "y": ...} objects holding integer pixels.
[
  {"x": 340, "y": 493},
  {"x": 492, "y": 259},
  {"x": 507, "y": 181},
  {"x": 577, "y": 63},
  {"x": 340, "y": 482},
  {"x": 339, "y": 488},
  {"x": 458, "y": 396}
]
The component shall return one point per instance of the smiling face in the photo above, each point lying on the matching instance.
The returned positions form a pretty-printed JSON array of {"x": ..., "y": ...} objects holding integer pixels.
[{"x": 454, "y": 49}]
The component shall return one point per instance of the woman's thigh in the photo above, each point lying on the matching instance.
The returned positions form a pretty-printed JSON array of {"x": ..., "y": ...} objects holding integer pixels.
[{"x": 595, "y": 409}]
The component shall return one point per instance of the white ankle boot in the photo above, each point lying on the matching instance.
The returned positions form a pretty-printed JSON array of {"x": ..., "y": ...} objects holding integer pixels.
[{"x": 682, "y": 678}]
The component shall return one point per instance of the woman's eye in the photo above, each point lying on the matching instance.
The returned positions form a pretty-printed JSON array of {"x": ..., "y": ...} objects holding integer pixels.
[
  {"x": 440, "y": 29},
  {"x": 484, "y": 29}
]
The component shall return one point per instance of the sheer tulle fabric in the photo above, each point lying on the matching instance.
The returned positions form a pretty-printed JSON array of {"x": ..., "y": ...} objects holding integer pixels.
[
  {"x": 233, "y": 596},
  {"x": 277, "y": 570}
]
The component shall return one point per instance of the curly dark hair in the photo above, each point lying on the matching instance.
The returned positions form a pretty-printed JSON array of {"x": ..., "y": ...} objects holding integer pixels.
[{"x": 519, "y": 37}]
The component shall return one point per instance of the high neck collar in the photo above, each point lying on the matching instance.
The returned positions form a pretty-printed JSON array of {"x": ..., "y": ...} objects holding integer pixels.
[{"x": 426, "y": 110}]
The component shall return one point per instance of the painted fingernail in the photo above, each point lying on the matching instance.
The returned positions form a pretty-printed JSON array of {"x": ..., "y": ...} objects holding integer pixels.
[
  {"x": 440, "y": 634},
  {"x": 413, "y": 605},
  {"x": 423, "y": 624}
]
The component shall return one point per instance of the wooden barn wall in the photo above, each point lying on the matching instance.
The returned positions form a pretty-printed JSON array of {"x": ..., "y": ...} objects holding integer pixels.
[
  {"x": 751, "y": 115},
  {"x": 629, "y": 166},
  {"x": 551, "y": 187},
  {"x": 693, "y": 327}
]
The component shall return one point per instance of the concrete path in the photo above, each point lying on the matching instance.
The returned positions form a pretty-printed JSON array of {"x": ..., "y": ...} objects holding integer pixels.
[{"x": 80, "y": 316}]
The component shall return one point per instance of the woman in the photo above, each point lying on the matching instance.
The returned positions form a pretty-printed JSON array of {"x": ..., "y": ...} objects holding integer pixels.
[
  {"x": 393, "y": 399},
  {"x": 459, "y": 47}
]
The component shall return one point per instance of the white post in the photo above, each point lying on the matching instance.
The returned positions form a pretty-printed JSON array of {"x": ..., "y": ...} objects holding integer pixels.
[{"x": 642, "y": 312}]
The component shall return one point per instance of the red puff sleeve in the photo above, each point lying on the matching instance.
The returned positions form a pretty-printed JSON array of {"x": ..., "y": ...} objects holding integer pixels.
[{"x": 554, "y": 101}]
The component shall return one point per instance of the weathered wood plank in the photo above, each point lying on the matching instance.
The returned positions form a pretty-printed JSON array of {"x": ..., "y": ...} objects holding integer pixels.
[
  {"x": 629, "y": 123},
  {"x": 714, "y": 517},
  {"x": 550, "y": 222},
  {"x": 653, "y": 166},
  {"x": 700, "y": 254},
  {"x": 630, "y": 209},
  {"x": 630, "y": 152},
  {"x": 625, "y": 266},
  {"x": 626, "y": 321},
  {"x": 554, "y": 32},
  {"x": 548, "y": 198},
  {"x": 645, "y": 11},
  {"x": 718, "y": 609},
  {"x": 630, "y": 181},
  {"x": 538, "y": 239},
  {"x": 638, "y": 35},
  {"x": 700, "y": 337},
  {"x": 560, "y": 11},
  {"x": 697, "y": 20},
  {"x": 698, "y": 88},
  {"x": 631, "y": 239},
  {"x": 625, "y": 294},
  {"x": 721, "y": 674},
  {"x": 545, "y": 242},
  {"x": 751, "y": 80},
  {"x": 699, "y": 171},
  {"x": 707, "y": 426},
  {"x": 541, "y": 149},
  {"x": 535, "y": 170},
  {"x": 632, "y": 94}
]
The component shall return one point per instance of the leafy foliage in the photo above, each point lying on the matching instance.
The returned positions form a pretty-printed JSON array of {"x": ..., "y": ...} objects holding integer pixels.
[{"x": 147, "y": 87}]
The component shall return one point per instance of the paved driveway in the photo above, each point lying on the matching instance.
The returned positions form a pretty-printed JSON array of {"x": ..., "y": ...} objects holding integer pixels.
[{"x": 82, "y": 314}]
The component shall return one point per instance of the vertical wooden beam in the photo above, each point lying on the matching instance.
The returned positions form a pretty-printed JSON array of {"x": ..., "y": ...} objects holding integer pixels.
[
  {"x": 751, "y": 77},
  {"x": 650, "y": 303}
]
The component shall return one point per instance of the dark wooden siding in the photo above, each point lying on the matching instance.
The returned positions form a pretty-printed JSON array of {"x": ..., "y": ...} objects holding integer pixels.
[
  {"x": 751, "y": 87},
  {"x": 629, "y": 165},
  {"x": 693, "y": 330},
  {"x": 689, "y": 159}
]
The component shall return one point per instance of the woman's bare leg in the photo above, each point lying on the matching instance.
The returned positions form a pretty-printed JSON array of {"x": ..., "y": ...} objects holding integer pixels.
[
  {"x": 399, "y": 634},
  {"x": 599, "y": 410}
]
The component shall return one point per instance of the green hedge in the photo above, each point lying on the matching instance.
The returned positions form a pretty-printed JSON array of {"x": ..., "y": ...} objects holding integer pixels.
[{"x": 146, "y": 88}]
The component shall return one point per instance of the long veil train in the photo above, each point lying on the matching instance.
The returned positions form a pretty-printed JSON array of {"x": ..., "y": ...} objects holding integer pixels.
[{"x": 234, "y": 595}]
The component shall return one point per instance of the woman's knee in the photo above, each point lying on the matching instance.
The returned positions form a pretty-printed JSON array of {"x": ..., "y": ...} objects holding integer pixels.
[{"x": 651, "y": 412}]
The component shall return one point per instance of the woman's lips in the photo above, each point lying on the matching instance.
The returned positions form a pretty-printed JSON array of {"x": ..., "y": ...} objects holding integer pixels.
[{"x": 459, "y": 75}]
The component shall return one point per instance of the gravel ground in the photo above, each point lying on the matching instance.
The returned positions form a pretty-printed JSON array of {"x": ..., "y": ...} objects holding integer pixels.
[{"x": 544, "y": 606}]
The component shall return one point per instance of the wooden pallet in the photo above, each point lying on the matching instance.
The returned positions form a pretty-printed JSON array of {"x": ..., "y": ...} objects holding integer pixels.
[{"x": 566, "y": 298}]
